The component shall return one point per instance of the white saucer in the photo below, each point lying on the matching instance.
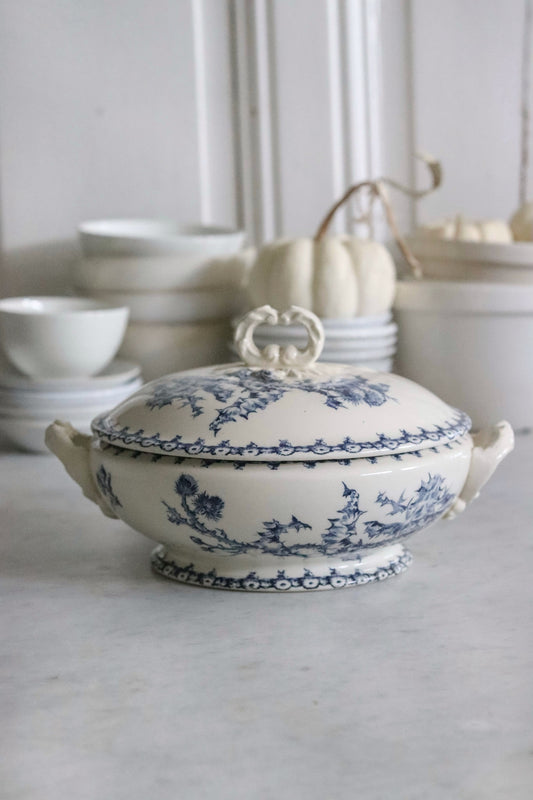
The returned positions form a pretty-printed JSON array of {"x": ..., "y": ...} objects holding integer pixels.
[{"x": 115, "y": 374}]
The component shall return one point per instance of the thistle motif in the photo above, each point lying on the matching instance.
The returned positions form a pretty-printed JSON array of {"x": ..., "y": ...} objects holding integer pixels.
[{"x": 345, "y": 535}]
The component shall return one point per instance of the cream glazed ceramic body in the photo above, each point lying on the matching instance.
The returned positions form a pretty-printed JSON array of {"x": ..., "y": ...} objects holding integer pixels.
[{"x": 280, "y": 474}]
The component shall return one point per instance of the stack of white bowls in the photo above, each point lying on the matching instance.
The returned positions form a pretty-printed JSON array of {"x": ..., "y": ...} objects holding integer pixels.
[
  {"x": 492, "y": 262},
  {"x": 58, "y": 364},
  {"x": 466, "y": 331},
  {"x": 182, "y": 286},
  {"x": 364, "y": 341}
]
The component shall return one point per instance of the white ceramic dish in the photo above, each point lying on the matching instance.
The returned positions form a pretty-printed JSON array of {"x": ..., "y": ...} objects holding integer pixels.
[
  {"x": 279, "y": 473},
  {"x": 194, "y": 305},
  {"x": 54, "y": 402},
  {"x": 334, "y": 329},
  {"x": 24, "y": 416},
  {"x": 474, "y": 261},
  {"x": 60, "y": 337},
  {"x": 472, "y": 343},
  {"x": 336, "y": 335},
  {"x": 160, "y": 273},
  {"x": 337, "y": 344},
  {"x": 117, "y": 373},
  {"x": 149, "y": 237},
  {"x": 345, "y": 354}
]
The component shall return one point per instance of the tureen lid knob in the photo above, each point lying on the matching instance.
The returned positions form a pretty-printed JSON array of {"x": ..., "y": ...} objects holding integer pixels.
[{"x": 273, "y": 356}]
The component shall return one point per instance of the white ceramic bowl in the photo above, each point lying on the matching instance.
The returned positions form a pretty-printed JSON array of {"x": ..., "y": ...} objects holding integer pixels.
[
  {"x": 56, "y": 402},
  {"x": 379, "y": 358},
  {"x": 149, "y": 237},
  {"x": 157, "y": 273},
  {"x": 337, "y": 344},
  {"x": 63, "y": 337},
  {"x": 25, "y": 415},
  {"x": 474, "y": 261},
  {"x": 193, "y": 305},
  {"x": 118, "y": 373},
  {"x": 355, "y": 336},
  {"x": 472, "y": 343}
]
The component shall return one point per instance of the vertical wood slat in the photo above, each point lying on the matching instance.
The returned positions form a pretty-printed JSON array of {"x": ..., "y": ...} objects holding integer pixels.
[
  {"x": 466, "y": 87},
  {"x": 200, "y": 76},
  {"x": 361, "y": 97},
  {"x": 214, "y": 112},
  {"x": 256, "y": 116},
  {"x": 308, "y": 109}
]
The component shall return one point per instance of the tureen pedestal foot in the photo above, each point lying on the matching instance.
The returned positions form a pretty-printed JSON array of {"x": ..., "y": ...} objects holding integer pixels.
[{"x": 298, "y": 576}]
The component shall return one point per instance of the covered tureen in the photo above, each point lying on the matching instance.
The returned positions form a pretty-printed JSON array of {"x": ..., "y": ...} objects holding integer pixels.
[{"x": 278, "y": 472}]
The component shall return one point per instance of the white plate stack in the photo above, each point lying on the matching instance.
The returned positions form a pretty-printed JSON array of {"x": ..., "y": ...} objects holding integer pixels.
[
  {"x": 29, "y": 405},
  {"x": 364, "y": 341},
  {"x": 182, "y": 286}
]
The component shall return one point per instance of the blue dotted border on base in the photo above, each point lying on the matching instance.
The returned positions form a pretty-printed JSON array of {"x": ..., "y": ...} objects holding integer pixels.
[{"x": 282, "y": 582}]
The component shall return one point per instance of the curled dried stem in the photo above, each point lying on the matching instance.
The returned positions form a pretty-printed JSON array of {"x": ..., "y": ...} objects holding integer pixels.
[{"x": 377, "y": 189}]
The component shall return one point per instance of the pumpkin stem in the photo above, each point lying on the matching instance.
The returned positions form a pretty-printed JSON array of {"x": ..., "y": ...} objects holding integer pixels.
[
  {"x": 377, "y": 189},
  {"x": 324, "y": 225},
  {"x": 406, "y": 252}
]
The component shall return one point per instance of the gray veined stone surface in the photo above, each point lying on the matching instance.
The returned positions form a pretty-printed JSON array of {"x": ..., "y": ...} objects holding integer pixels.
[{"x": 118, "y": 684}]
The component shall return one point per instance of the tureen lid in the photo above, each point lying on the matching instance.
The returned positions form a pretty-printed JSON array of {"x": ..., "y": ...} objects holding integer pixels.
[{"x": 279, "y": 405}]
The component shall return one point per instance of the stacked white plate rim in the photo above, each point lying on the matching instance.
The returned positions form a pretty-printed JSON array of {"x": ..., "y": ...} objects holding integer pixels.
[
  {"x": 182, "y": 285},
  {"x": 368, "y": 342},
  {"x": 29, "y": 405}
]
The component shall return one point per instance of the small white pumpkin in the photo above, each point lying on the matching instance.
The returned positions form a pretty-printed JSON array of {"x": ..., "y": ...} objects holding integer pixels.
[
  {"x": 465, "y": 230},
  {"x": 334, "y": 276},
  {"x": 522, "y": 223}
]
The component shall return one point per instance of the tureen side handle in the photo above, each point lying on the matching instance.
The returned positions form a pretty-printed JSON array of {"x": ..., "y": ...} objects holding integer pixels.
[
  {"x": 491, "y": 445},
  {"x": 72, "y": 449}
]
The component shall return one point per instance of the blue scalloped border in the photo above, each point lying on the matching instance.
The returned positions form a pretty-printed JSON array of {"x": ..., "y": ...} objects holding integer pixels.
[
  {"x": 308, "y": 581},
  {"x": 448, "y": 431}
]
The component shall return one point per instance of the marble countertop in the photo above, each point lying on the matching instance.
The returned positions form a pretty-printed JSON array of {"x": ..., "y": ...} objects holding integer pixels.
[{"x": 120, "y": 685}]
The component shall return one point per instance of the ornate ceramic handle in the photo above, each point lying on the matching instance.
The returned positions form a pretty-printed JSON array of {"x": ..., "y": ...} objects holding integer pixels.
[
  {"x": 491, "y": 445},
  {"x": 72, "y": 449},
  {"x": 273, "y": 356}
]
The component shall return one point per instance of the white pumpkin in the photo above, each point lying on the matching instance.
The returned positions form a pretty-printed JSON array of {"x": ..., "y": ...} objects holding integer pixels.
[
  {"x": 334, "y": 276},
  {"x": 465, "y": 230},
  {"x": 522, "y": 223},
  {"x": 337, "y": 276}
]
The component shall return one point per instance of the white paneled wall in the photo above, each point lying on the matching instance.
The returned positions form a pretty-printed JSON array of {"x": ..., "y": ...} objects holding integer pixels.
[
  {"x": 466, "y": 101},
  {"x": 245, "y": 112}
]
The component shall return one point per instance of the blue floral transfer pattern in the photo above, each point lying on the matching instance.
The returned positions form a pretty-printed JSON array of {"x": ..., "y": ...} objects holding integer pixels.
[
  {"x": 252, "y": 582},
  {"x": 346, "y": 535},
  {"x": 245, "y": 391},
  {"x": 103, "y": 479},
  {"x": 429, "y": 502}
]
